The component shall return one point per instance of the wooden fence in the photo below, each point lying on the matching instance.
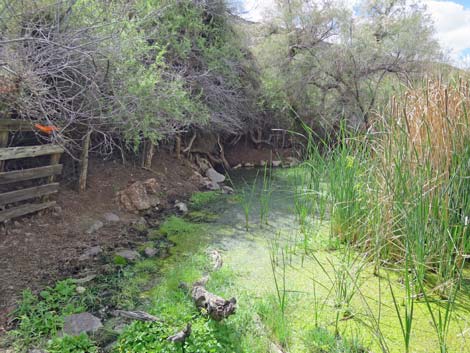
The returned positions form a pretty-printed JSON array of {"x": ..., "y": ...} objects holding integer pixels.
[{"x": 44, "y": 175}]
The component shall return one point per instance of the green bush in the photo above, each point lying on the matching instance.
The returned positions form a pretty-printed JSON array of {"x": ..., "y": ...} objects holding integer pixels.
[
  {"x": 69, "y": 344},
  {"x": 152, "y": 337}
]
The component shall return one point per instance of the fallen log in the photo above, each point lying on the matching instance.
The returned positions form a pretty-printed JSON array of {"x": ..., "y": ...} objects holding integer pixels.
[
  {"x": 136, "y": 315},
  {"x": 213, "y": 305},
  {"x": 216, "y": 307}
]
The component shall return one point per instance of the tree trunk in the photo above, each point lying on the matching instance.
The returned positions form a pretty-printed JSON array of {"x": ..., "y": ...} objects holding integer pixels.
[
  {"x": 149, "y": 150},
  {"x": 178, "y": 147},
  {"x": 84, "y": 163}
]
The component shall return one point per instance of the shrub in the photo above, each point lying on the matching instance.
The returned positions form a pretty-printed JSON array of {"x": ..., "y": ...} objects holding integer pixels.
[
  {"x": 152, "y": 337},
  {"x": 69, "y": 344}
]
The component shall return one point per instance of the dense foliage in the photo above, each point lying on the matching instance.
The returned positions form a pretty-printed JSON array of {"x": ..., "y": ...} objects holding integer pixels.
[
  {"x": 323, "y": 62},
  {"x": 144, "y": 69}
]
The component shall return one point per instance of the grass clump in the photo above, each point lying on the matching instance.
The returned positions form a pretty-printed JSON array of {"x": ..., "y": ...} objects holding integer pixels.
[
  {"x": 199, "y": 200},
  {"x": 320, "y": 340},
  {"x": 68, "y": 344},
  {"x": 274, "y": 318}
]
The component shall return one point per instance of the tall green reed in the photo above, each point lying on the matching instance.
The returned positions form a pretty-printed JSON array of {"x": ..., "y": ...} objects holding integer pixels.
[
  {"x": 265, "y": 195},
  {"x": 248, "y": 193}
]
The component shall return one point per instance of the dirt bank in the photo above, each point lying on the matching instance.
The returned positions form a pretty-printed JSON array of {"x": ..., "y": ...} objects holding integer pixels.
[{"x": 38, "y": 250}]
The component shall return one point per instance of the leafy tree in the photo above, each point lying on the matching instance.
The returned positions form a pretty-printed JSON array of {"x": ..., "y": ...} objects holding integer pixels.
[{"x": 329, "y": 63}]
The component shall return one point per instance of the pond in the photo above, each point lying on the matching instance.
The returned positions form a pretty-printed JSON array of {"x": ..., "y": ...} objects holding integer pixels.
[{"x": 312, "y": 293}]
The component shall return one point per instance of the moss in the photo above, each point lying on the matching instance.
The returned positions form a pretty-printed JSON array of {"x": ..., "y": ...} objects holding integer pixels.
[
  {"x": 119, "y": 260},
  {"x": 178, "y": 227},
  {"x": 202, "y": 217},
  {"x": 154, "y": 234},
  {"x": 144, "y": 246},
  {"x": 201, "y": 199}
]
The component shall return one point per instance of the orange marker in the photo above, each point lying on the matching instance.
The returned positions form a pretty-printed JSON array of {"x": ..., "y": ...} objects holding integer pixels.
[{"x": 46, "y": 129}]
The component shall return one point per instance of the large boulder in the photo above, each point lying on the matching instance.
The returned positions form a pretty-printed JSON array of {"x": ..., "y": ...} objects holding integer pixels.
[
  {"x": 181, "y": 207},
  {"x": 215, "y": 176},
  {"x": 76, "y": 324},
  {"x": 139, "y": 196}
]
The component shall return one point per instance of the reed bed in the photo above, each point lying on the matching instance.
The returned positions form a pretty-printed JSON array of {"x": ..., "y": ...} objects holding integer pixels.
[
  {"x": 400, "y": 196},
  {"x": 421, "y": 169}
]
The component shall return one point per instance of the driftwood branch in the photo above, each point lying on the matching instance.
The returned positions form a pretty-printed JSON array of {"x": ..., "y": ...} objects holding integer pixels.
[
  {"x": 215, "y": 306},
  {"x": 181, "y": 336},
  {"x": 137, "y": 315}
]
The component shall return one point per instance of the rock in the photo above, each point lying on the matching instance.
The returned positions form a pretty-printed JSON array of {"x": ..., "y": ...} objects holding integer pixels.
[
  {"x": 95, "y": 227},
  {"x": 80, "y": 290},
  {"x": 112, "y": 346},
  {"x": 197, "y": 179},
  {"x": 31, "y": 351},
  {"x": 210, "y": 185},
  {"x": 141, "y": 223},
  {"x": 111, "y": 217},
  {"x": 262, "y": 163},
  {"x": 76, "y": 324},
  {"x": 248, "y": 165},
  {"x": 120, "y": 327},
  {"x": 292, "y": 162},
  {"x": 151, "y": 185},
  {"x": 276, "y": 163},
  {"x": 85, "y": 279},
  {"x": 139, "y": 196},
  {"x": 227, "y": 189},
  {"x": 215, "y": 176},
  {"x": 130, "y": 255},
  {"x": 213, "y": 186},
  {"x": 57, "y": 211},
  {"x": 90, "y": 253},
  {"x": 150, "y": 252},
  {"x": 238, "y": 166},
  {"x": 182, "y": 207}
]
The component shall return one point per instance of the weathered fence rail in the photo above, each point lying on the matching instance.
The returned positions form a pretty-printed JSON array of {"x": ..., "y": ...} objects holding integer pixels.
[{"x": 36, "y": 195}]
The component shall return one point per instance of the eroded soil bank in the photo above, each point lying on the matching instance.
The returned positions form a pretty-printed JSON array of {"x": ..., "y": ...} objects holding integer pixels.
[{"x": 38, "y": 250}]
